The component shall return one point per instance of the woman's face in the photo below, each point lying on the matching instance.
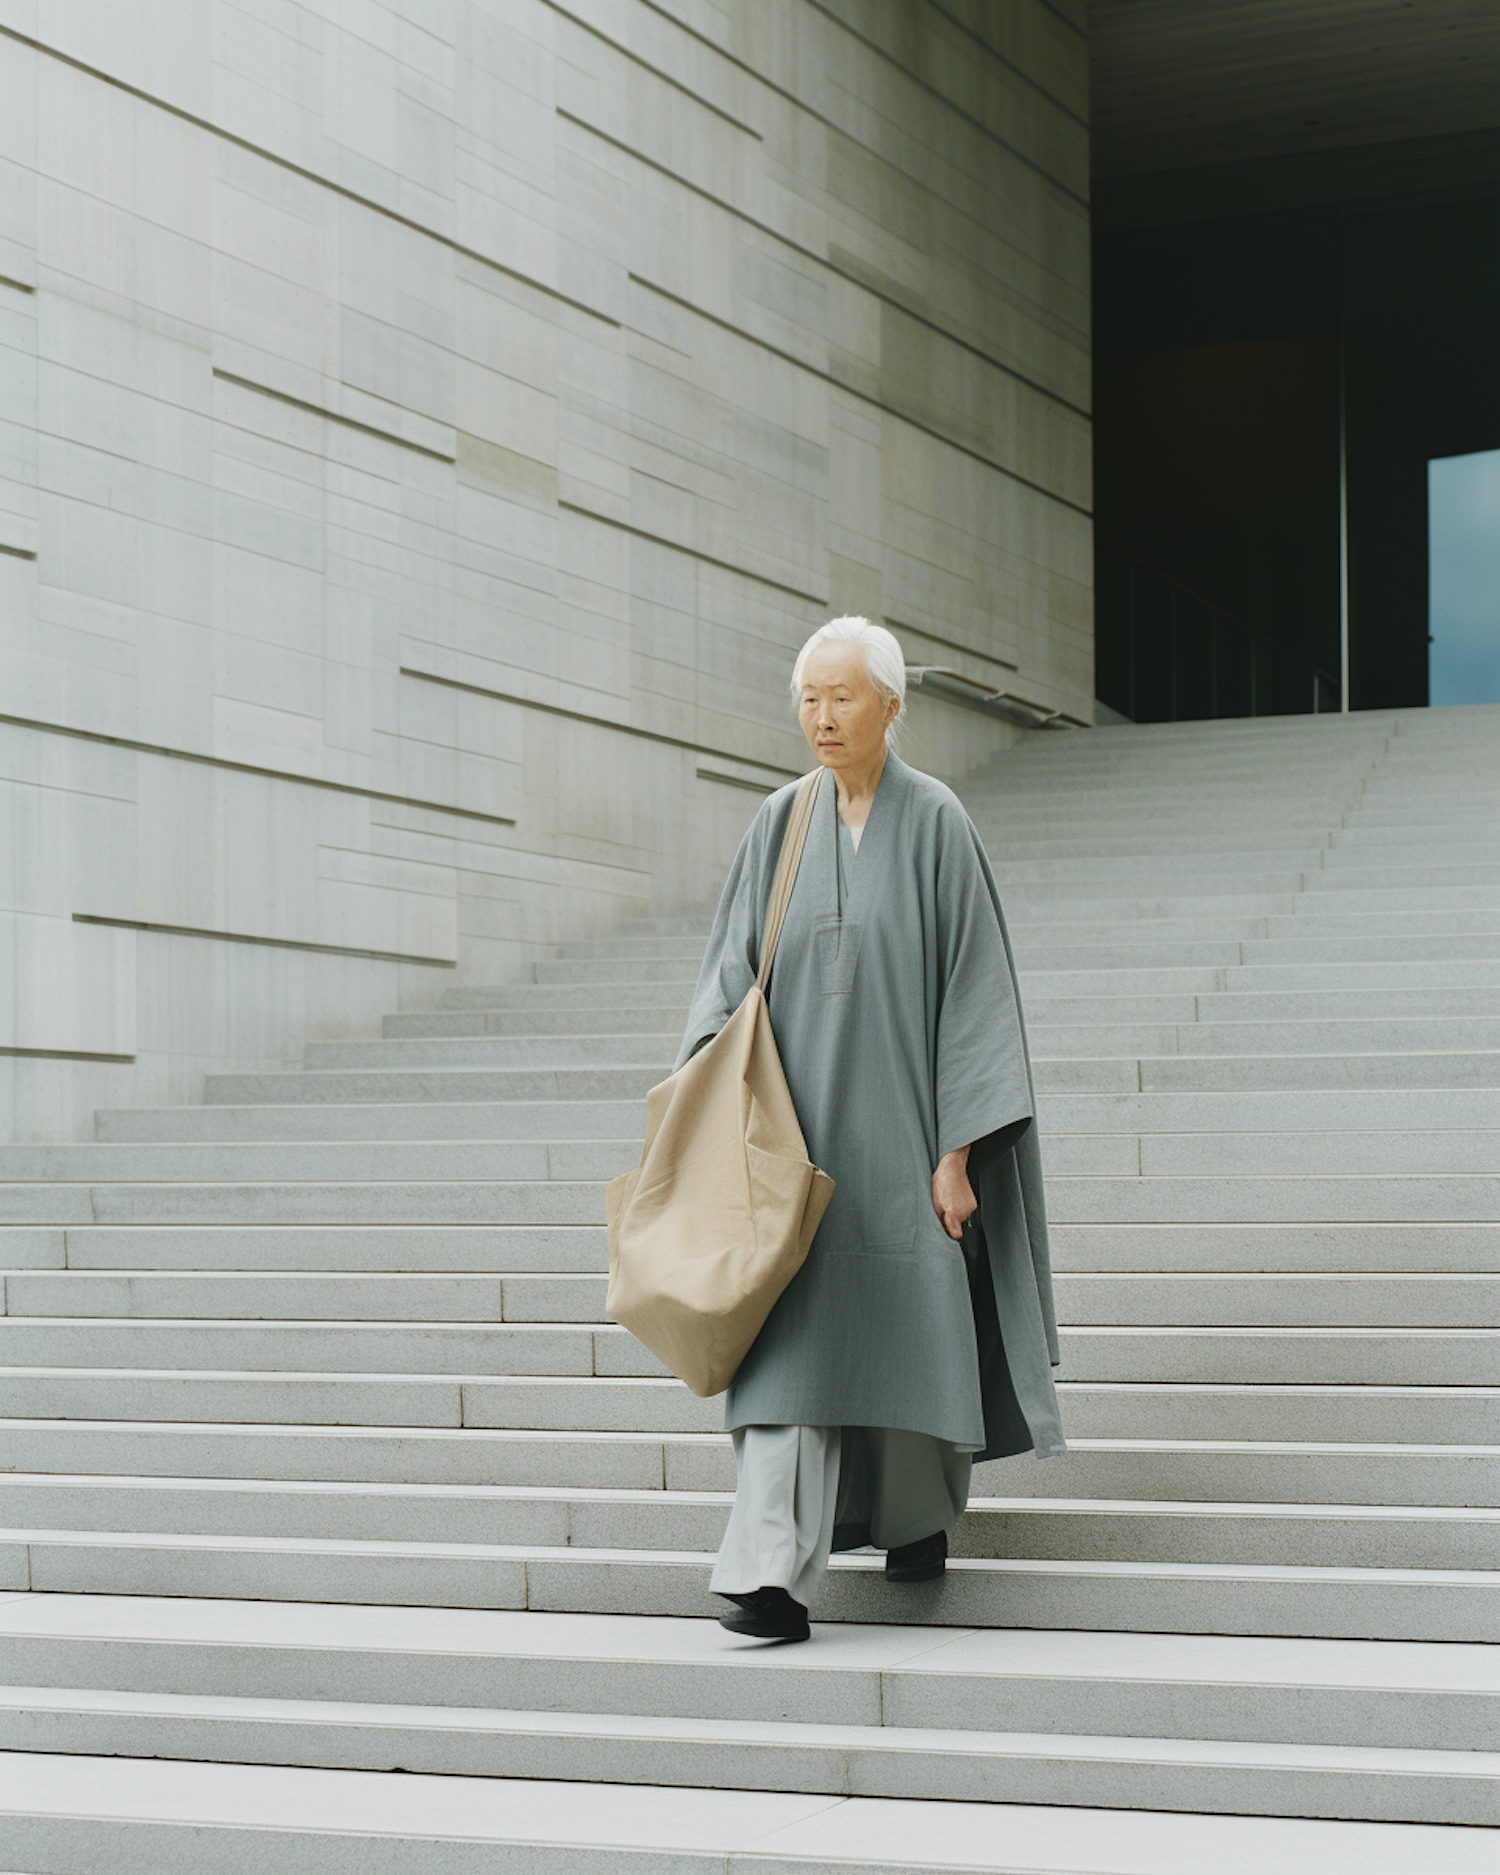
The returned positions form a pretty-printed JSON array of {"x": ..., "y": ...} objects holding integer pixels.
[{"x": 840, "y": 710}]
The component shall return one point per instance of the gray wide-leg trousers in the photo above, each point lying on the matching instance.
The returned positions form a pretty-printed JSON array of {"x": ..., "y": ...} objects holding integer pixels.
[{"x": 801, "y": 1487}]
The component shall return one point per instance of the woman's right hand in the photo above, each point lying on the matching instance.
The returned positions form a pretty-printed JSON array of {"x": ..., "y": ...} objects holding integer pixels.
[{"x": 952, "y": 1195}]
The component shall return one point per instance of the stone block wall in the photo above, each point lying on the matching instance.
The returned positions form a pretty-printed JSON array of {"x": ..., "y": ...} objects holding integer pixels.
[{"x": 427, "y": 429}]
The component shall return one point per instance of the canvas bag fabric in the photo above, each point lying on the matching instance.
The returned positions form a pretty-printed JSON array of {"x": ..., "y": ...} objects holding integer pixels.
[{"x": 718, "y": 1217}]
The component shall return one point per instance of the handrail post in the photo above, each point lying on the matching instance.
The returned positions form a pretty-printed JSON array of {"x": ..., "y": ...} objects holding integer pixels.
[
  {"x": 1172, "y": 643},
  {"x": 1262, "y": 682},
  {"x": 1343, "y": 532},
  {"x": 1130, "y": 615}
]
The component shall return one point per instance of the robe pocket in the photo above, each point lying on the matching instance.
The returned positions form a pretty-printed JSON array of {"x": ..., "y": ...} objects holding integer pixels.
[
  {"x": 836, "y": 943},
  {"x": 873, "y": 1224}
]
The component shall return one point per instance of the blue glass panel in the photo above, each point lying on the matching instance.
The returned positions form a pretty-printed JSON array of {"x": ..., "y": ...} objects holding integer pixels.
[{"x": 1463, "y": 538}]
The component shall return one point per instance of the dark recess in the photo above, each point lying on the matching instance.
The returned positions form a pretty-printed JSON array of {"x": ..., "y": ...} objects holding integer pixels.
[{"x": 1219, "y": 349}]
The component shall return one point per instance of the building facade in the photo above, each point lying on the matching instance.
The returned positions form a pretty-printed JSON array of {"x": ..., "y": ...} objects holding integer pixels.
[{"x": 426, "y": 432}]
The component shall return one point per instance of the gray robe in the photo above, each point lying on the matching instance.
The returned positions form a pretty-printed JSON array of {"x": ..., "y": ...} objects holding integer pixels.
[{"x": 894, "y": 1004}]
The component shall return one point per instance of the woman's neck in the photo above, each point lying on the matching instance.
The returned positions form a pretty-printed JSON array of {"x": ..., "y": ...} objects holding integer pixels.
[{"x": 857, "y": 786}]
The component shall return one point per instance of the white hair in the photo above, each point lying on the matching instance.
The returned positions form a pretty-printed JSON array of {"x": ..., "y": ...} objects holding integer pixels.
[{"x": 884, "y": 660}]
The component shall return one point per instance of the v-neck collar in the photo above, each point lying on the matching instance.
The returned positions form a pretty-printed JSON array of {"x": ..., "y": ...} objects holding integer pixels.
[
  {"x": 847, "y": 859},
  {"x": 891, "y": 762}
]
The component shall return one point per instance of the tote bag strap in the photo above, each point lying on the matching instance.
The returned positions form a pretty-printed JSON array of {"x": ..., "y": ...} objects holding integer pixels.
[{"x": 786, "y": 871}]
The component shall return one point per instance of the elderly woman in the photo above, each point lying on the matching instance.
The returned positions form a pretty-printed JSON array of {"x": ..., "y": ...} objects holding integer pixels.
[{"x": 919, "y": 1334}]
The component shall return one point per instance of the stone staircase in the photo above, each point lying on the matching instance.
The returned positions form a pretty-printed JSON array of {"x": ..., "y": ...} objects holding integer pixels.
[{"x": 320, "y": 1459}]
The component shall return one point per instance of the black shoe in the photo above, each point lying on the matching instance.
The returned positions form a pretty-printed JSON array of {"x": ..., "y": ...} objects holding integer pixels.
[
  {"x": 767, "y": 1615},
  {"x": 922, "y": 1561}
]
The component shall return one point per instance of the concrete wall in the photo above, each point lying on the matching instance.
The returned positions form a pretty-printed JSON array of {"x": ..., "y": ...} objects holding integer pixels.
[{"x": 426, "y": 431}]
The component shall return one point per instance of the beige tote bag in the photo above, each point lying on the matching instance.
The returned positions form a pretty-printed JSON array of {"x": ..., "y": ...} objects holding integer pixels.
[{"x": 715, "y": 1222}]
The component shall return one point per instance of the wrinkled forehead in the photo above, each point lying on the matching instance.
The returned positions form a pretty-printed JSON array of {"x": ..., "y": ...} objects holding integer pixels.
[{"x": 836, "y": 661}]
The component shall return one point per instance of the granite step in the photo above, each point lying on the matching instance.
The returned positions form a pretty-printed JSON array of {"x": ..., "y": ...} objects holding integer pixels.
[
  {"x": 1257, "y": 1352},
  {"x": 549, "y": 1120},
  {"x": 1122, "y": 1197},
  {"x": 1346, "y": 1298},
  {"x": 1114, "y": 1152},
  {"x": 1311, "y": 924},
  {"x": 1208, "y": 1598},
  {"x": 1057, "y": 1115},
  {"x": 1037, "y": 930},
  {"x": 431, "y": 1447},
  {"x": 1177, "y": 1033},
  {"x": 1233, "y": 1199},
  {"x": 354, "y": 1248},
  {"x": 463, "y": 1161},
  {"x": 1419, "y": 1067},
  {"x": 580, "y": 1249},
  {"x": 1217, "y": 967},
  {"x": 1141, "y": 1530},
  {"x": 1052, "y": 996},
  {"x": 1157, "y": 1685},
  {"x": 887, "y": 1761}
]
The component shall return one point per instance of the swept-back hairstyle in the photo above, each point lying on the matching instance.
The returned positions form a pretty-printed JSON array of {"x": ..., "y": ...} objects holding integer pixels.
[{"x": 884, "y": 661}]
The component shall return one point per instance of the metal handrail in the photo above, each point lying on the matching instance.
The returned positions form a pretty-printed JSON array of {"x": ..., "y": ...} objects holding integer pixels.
[
  {"x": 1040, "y": 716},
  {"x": 1218, "y": 616}
]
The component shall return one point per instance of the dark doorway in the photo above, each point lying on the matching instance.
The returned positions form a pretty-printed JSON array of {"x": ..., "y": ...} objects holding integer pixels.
[
  {"x": 1422, "y": 382},
  {"x": 1256, "y": 378},
  {"x": 1296, "y": 218},
  {"x": 1217, "y": 528}
]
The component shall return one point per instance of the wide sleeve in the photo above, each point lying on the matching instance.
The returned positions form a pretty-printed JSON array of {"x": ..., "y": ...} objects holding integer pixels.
[
  {"x": 981, "y": 1079},
  {"x": 730, "y": 962},
  {"x": 985, "y": 1099}
]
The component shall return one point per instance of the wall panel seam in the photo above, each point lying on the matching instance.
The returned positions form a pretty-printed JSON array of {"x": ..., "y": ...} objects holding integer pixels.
[
  {"x": 731, "y": 58},
  {"x": 812, "y": 111},
  {"x": 708, "y": 559},
  {"x": 951, "y": 644},
  {"x": 780, "y": 91},
  {"x": 247, "y": 937},
  {"x": 948, "y": 104},
  {"x": 655, "y": 70},
  {"x": 1000, "y": 59},
  {"x": 603, "y": 722},
  {"x": 821, "y": 260},
  {"x": 307, "y": 175},
  {"x": 853, "y": 390},
  {"x": 1058, "y": 14},
  {"x": 332, "y": 416},
  {"x": 60, "y": 1054},
  {"x": 251, "y": 768},
  {"x": 736, "y": 781}
]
